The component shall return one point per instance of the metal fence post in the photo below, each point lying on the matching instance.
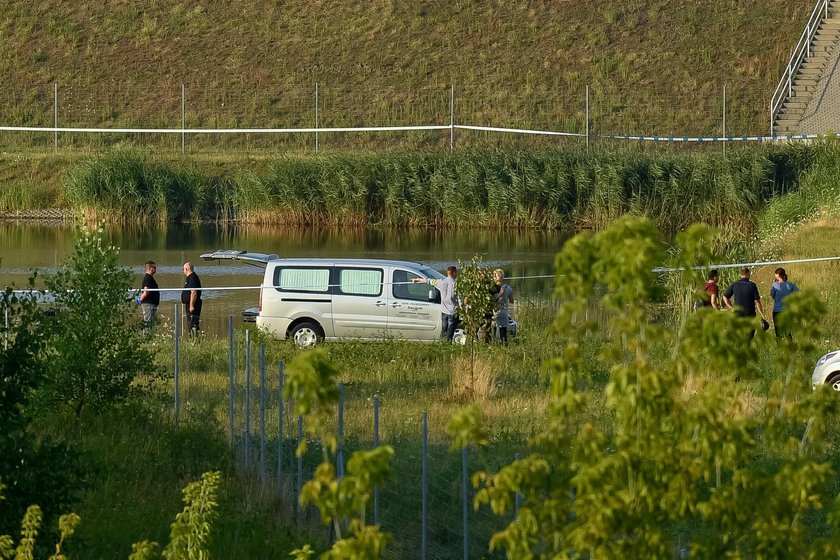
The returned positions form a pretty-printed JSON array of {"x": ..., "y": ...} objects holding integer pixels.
[
  {"x": 424, "y": 528},
  {"x": 177, "y": 361},
  {"x": 316, "y": 117},
  {"x": 247, "y": 449},
  {"x": 231, "y": 381},
  {"x": 517, "y": 498},
  {"x": 298, "y": 509},
  {"x": 376, "y": 444},
  {"x": 280, "y": 368},
  {"x": 183, "y": 118},
  {"x": 465, "y": 502},
  {"x": 262, "y": 415},
  {"x": 587, "y": 116},
  {"x": 339, "y": 458},
  {"x": 55, "y": 115},
  {"x": 452, "y": 118},
  {"x": 6, "y": 340},
  {"x": 724, "y": 119}
]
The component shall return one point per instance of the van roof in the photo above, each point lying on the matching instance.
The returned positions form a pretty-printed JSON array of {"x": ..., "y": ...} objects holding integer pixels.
[
  {"x": 265, "y": 258},
  {"x": 354, "y": 262}
]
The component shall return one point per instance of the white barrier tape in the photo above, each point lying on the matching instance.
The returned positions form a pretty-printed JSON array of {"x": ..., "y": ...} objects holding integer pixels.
[
  {"x": 658, "y": 269},
  {"x": 747, "y": 264},
  {"x": 516, "y": 130},
  {"x": 225, "y": 130},
  {"x": 713, "y": 138},
  {"x": 414, "y": 127}
]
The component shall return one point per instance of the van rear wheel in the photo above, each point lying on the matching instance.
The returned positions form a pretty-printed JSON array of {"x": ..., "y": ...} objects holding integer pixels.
[{"x": 306, "y": 335}]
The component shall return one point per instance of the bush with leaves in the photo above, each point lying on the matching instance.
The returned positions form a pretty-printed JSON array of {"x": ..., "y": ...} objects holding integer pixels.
[
  {"x": 474, "y": 283},
  {"x": 33, "y": 468},
  {"x": 97, "y": 349},
  {"x": 674, "y": 462},
  {"x": 313, "y": 384},
  {"x": 188, "y": 539}
]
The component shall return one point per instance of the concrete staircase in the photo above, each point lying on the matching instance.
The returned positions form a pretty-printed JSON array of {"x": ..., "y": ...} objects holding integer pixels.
[{"x": 807, "y": 77}]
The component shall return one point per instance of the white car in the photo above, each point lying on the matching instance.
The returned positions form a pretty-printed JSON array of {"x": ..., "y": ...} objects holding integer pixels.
[{"x": 827, "y": 371}]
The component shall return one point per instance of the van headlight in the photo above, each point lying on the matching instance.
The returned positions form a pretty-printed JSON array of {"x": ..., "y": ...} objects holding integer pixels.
[{"x": 825, "y": 358}]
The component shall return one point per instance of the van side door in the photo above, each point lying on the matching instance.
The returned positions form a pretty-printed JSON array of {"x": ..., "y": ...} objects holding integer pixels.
[
  {"x": 360, "y": 303},
  {"x": 410, "y": 313}
]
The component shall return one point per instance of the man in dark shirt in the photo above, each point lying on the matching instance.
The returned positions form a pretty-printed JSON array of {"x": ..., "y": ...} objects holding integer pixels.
[
  {"x": 191, "y": 298},
  {"x": 746, "y": 296},
  {"x": 149, "y": 301}
]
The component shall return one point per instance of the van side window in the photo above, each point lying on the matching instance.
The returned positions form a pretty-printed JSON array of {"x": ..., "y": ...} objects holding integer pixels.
[
  {"x": 404, "y": 289},
  {"x": 300, "y": 279},
  {"x": 360, "y": 281}
]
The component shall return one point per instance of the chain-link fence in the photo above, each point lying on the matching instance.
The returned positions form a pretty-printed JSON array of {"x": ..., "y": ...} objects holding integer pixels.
[
  {"x": 305, "y": 114},
  {"x": 427, "y": 504}
]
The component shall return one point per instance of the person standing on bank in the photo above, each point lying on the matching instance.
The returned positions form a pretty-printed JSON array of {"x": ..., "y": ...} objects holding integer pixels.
[
  {"x": 780, "y": 289},
  {"x": 746, "y": 298},
  {"x": 710, "y": 291},
  {"x": 503, "y": 294},
  {"x": 149, "y": 301},
  {"x": 448, "y": 301},
  {"x": 191, "y": 298}
]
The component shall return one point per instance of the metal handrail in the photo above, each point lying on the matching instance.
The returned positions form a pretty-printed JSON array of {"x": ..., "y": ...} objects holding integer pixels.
[{"x": 800, "y": 53}]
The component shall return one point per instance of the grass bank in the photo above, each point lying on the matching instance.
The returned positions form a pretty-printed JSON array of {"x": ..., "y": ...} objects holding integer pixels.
[
  {"x": 517, "y": 189},
  {"x": 653, "y": 66}
]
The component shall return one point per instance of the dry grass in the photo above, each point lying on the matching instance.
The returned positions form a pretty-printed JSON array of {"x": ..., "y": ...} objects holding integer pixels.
[{"x": 472, "y": 380}]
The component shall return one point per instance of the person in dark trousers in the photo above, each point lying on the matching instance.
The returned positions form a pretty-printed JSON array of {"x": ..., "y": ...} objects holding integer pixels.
[
  {"x": 191, "y": 298},
  {"x": 746, "y": 298},
  {"x": 709, "y": 292},
  {"x": 149, "y": 301},
  {"x": 503, "y": 296},
  {"x": 780, "y": 289},
  {"x": 448, "y": 301}
]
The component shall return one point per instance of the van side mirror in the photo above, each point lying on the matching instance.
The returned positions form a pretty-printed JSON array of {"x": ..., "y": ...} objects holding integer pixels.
[{"x": 434, "y": 295}]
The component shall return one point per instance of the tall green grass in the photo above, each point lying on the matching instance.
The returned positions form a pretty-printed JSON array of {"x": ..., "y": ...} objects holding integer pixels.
[
  {"x": 124, "y": 185},
  {"x": 571, "y": 188},
  {"x": 818, "y": 193}
]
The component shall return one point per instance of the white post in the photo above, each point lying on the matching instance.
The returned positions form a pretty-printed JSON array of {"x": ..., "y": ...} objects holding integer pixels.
[
  {"x": 452, "y": 118},
  {"x": 183, "y": 118},
  {"x": 771, "y": 120},
  {"x": 55, "y": 115},
  {"x": 316, "y": 117}
]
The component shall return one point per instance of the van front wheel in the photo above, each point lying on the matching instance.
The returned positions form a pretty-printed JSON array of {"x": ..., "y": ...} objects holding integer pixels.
[{"x": 306, "y": 335}]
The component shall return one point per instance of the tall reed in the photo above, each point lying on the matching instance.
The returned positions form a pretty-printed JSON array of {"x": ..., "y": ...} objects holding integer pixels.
[{"x": 570, "y": 188}]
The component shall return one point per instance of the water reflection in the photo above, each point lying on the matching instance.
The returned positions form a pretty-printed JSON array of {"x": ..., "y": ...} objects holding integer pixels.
[{"x": 526, "y": 253}]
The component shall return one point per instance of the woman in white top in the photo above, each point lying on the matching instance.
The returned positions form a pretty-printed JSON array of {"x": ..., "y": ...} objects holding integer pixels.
[{"x": 503, "y": 294}]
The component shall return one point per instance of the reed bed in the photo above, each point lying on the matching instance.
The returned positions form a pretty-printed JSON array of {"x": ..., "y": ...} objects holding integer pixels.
[{"x": 545, "y": 189}]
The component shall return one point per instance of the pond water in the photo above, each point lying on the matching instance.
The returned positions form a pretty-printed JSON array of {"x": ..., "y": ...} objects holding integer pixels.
[{"x": 526, "y": 256}]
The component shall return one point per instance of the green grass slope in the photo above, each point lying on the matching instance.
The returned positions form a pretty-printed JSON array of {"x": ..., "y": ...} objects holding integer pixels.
[{"x": 653, "y": 66}]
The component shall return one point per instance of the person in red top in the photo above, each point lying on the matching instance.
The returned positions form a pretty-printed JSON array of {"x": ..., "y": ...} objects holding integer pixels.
[{"x": 709, "y": 296}]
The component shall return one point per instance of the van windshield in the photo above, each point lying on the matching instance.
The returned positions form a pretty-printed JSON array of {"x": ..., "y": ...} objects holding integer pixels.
[{"x": 431, "y": 273}]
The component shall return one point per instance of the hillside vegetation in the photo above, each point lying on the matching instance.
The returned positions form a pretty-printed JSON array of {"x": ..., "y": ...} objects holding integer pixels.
[{"x": 653, "y": 66}]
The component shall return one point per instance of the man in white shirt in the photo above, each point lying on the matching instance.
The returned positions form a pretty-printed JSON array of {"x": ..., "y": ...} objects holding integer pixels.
[{"x": 448, "y": 302}]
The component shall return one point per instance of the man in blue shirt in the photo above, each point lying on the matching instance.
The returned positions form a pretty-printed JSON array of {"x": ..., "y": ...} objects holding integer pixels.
[{"x": 746, "y": 298}]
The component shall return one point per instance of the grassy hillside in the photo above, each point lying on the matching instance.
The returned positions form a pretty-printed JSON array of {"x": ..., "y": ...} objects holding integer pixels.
[{"x": 653, "y": 66}]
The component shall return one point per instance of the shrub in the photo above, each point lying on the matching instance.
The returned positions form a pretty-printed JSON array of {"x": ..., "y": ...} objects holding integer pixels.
[{"x": 97, "y": 349}]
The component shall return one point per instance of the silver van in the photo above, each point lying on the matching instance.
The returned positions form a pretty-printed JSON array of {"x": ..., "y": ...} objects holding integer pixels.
[{"x": 310, "y": 300}]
